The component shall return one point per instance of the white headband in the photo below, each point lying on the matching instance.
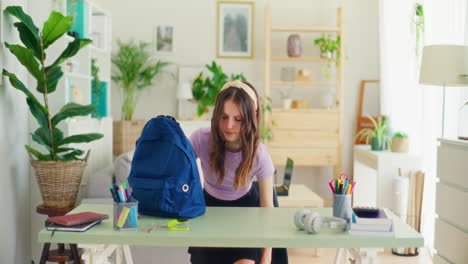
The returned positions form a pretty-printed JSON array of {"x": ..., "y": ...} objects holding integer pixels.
[{"x": 240, "y": 85}]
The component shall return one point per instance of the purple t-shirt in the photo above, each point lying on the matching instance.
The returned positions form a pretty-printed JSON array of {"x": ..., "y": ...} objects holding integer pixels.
[{"x": 262, "y": 167}]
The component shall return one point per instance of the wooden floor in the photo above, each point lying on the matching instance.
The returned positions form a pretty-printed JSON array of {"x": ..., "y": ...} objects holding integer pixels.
[{"x": 327, "y": 255}]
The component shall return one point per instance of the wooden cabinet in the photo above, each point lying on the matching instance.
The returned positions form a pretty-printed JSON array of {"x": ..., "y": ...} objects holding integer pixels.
[{"x": 311, "y": 136}]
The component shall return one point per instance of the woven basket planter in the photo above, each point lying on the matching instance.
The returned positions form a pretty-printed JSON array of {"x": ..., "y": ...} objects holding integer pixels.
[
  {"x": 125, "y": 135},
  {"x": 59, "y": 181}
]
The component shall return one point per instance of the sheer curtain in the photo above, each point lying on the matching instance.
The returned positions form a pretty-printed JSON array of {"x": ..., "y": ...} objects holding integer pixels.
[{"x": 414, "y": 108}]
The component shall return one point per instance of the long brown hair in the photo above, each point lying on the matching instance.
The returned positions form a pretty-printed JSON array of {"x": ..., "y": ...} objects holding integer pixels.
[{"x": 249, "y": 134}]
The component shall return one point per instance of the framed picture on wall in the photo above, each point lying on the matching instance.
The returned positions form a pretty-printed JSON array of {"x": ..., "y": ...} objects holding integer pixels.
[
  {"x": 234, "y": 32},
  {"x": 164, "y": 38}
]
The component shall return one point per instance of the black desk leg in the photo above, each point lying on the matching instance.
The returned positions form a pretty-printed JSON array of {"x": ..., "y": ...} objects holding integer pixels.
[
  {"x": 74, "y": 251},
  {"x": 45, "y": 253}
]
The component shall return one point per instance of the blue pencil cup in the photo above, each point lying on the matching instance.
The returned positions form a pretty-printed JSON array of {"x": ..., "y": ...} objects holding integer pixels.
[{"x": 342, "y": 206}]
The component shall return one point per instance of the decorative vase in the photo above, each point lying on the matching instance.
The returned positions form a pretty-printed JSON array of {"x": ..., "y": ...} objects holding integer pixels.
[
  {"x": 294, "y": 45},
  {"x": 287, "y": 102},
  {"x": 400, "y": 145}
]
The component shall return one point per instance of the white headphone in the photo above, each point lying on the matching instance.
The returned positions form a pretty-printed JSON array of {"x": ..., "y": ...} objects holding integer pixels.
[{"x": 312, "y": 221}]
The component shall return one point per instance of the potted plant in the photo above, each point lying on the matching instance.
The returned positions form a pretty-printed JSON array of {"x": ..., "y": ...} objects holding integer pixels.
[
  {"x": 328, "y": 48},
  {"x": 400, "y": 142},
  {"x": 205, "y": 89},
  {"x": 376, "y": 136},
  {"x": 59, "y": 169},
  {"x": 135, "y": 69}
]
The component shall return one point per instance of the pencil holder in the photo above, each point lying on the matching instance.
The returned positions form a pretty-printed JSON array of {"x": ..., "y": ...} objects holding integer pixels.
[
  {"x": 126, "y": 215},
  {"x": 342, "y": 206}
]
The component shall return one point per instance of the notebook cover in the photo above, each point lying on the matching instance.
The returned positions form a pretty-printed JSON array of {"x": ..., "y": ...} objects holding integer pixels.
[
  {"x": 75, "y": 228},
  {"x": 77, "y": 219}
]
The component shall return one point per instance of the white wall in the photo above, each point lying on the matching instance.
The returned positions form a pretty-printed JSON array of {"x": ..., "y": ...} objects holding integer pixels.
[
  {"x": 14, "y": 166},
  {"x": 194, "y": 45}
]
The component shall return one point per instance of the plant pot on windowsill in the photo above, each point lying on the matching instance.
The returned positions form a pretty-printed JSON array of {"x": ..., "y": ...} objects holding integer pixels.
[{"x": 400, "y": 145}]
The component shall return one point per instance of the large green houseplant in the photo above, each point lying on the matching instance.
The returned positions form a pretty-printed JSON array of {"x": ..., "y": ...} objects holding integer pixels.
[
  {"x": 205, "y": 88},
  {"x": 135, "y": 70},
  {"x": 58, "y": 187}
]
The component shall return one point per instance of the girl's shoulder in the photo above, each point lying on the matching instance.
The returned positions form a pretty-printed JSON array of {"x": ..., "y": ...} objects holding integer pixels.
[{"x": 201, "y": 135}]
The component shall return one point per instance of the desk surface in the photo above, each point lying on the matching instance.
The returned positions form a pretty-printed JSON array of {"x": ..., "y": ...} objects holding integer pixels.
[
  {"x": 300, "y": 196},
  {"x": 231, "y": 227}
]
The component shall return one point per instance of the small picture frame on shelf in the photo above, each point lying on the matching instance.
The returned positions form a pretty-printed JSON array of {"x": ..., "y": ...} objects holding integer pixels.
[
  {"x": 163, "y": 38},
  {"x": 234, "y": 29}
]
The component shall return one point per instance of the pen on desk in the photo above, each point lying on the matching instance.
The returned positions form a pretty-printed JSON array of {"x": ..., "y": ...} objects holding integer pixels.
[
  {"x": 114, "y": 197},
  {"x": 345, "y": 187},
  {"x": 337, "y": 186},
  {"x": 127, "y": 193},
  {"x": 123, "y": 192},
  {"x": 331, "y": 186},
  {"x": 118, "y": 193},
  {"x": 352, "y": 187}
]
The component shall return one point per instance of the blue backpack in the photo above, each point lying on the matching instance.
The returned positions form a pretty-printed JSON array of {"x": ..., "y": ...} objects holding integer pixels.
[{"x": 164, "y": 175}]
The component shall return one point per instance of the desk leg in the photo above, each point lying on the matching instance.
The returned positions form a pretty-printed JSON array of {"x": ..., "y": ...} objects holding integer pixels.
[
  {"x": 365, "y": 255},
  {"x": 99, "y": 254},
  {"x": 127, "y": 254}
]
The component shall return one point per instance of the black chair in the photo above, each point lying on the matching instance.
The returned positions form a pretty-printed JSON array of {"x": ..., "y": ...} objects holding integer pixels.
[{"x": 278, "y": 255}]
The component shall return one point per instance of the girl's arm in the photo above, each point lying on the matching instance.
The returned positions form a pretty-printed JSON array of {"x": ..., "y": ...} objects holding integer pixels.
[{"x": 266, "y": 200}]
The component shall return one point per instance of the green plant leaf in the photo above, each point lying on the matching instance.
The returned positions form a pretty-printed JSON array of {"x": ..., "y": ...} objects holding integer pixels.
[
  {"x": 18, "y": 12},
  {"x": 29, "y": 40},
  {"x": 37, "y": 154},
  {"x": 41, "y": 141},
  {"x": 55, "y": 26},
  {"x": 70, "y": 51},
  {"x": 71, "y": 110},
  {"x": 53, "y": 76},
  {"x": 60, "y": 150},
  {"x": 38, "y": 113},
  {"x": 71, "y": 156},
  {"x": 82, "y": 138},
  {"x": 44, "y": 134},
  {"x": 26, "y": 57},
  {"x": 20, "y": 86}
]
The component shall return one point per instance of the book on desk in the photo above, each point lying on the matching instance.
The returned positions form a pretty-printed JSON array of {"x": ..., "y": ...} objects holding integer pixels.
[{"x": 379, "y": 224}]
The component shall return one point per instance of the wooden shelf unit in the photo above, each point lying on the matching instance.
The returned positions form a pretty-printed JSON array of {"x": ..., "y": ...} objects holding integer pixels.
[{"x": 312, "y": 137}]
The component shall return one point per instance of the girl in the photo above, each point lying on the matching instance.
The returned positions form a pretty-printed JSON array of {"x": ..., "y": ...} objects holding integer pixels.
[{"x": 231, "y": 156}]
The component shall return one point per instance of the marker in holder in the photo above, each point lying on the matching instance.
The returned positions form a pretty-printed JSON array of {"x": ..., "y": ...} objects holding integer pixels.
[
  {"x": 342, "y": 206},
  {"x": 126, "y": 215}
]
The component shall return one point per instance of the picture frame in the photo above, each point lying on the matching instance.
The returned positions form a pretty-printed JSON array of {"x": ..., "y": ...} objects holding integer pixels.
[
  {"x": 234, "y": 29},
  {"x": 163, "y": 38}
]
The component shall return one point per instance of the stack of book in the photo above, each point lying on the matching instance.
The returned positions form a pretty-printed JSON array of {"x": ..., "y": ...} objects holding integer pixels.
[{"x": 377, "y": 223}]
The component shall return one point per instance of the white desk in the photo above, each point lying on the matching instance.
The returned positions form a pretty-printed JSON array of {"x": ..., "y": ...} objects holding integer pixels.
[{"x": 374, "y": 172}]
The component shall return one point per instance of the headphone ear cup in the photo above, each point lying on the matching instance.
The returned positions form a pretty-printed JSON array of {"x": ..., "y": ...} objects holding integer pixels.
[
  {"x": 313, "y": 223},
  {"x": 299, "y": 218}
]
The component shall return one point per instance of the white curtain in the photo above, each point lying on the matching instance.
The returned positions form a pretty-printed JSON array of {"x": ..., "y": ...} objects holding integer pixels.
[{"x": 414, "y": 108}]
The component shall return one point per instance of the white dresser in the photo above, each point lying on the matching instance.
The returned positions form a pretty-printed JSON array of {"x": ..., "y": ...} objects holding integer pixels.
[{"x": 451, "y": 226}]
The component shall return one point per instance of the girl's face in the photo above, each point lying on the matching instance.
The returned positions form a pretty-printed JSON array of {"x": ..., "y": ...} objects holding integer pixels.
[{"x": 230, "y": 123}]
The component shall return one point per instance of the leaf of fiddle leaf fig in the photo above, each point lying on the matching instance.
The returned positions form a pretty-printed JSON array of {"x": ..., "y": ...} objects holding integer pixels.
[
  {"x": 70, "y": 51},
  {"x": 71, "y": 110},
  {"x": 44, "y": 134},
  {"x": 20, "y": 86},
  {"x": 18, "y": 12},
  {"x": 82, "y": 138},
  {"x": 40, "y": 140},
  {"x": 55, "y": 26},
  {"x": 29, "y": 40},
  {"x": 37, "y": 154},
  {"x": 37, "y": 112},
  {"x": 26, "y": 57},
  {"x": 53, "y": 76}
]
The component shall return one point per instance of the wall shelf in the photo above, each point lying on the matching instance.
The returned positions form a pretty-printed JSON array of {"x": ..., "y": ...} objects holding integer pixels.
[
  {"x": 306, "y": 29},
  {"x": 312, "y": 137},
  {"x": 307, "y": 59},
  {"x": 304, "y": 83}
]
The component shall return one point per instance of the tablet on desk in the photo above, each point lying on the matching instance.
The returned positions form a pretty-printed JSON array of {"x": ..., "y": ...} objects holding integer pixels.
[{"x": 75, "y": 228}]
